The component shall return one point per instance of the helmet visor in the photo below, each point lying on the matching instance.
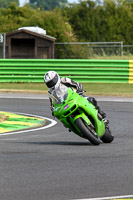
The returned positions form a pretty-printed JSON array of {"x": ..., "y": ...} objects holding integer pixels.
[{"x": 53, "y": 82}]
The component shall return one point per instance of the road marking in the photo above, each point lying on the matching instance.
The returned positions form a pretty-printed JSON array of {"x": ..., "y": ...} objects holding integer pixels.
[
  {"x": 53, "y": 122},
  {"x": 10, "y": 122},
  {"x": 45, "y": 96},
  {"x": 111, "y": 198}
]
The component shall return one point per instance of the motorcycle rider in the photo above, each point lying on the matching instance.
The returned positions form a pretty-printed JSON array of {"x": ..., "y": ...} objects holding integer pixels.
[{"x": 53, "y": 80}]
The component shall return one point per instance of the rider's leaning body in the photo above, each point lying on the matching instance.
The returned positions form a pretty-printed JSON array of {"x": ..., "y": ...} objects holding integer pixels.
[{"x": 53, "y": 81}]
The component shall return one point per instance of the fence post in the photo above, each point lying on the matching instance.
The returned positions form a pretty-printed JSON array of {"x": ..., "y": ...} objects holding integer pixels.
[
  {"x": 4, "y": 45},
  {"x": 121, "y": 50}
]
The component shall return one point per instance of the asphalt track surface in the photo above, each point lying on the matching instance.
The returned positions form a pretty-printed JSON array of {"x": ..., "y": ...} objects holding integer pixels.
[{"x": 53, "y": 164}]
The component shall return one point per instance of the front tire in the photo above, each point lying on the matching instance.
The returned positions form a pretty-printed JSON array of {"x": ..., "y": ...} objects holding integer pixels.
[{"x": 87, "y": 131}]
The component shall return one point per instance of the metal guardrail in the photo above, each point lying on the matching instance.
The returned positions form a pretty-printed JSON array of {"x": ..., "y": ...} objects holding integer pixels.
[{"x": 82, "y": 70}]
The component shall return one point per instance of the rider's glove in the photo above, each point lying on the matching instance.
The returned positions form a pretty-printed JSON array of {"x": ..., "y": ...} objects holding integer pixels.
[{"x": 79, "y": 88}]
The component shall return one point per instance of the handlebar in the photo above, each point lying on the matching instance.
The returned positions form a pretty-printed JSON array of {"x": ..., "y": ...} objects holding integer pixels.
[{"x": 81, "y": 92}]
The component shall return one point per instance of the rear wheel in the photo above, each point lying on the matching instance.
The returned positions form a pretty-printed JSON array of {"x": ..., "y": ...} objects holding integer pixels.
[
  {"x": 107, "y": 137},
  {"x": 88, "y": 131}
]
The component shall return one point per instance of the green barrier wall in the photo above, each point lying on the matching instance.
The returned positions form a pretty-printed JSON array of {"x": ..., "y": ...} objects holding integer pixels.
[{"x": 83, "y": 70}]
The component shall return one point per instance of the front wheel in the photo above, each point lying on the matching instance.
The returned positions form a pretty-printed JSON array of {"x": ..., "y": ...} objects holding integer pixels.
[{"x": 87, "y": 131}]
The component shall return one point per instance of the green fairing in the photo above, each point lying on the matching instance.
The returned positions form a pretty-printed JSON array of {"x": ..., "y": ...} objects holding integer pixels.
[{"x": 76, "y": 106}]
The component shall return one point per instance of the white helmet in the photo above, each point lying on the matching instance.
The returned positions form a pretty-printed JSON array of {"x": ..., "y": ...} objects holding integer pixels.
[{"x": 52, "y": 79}]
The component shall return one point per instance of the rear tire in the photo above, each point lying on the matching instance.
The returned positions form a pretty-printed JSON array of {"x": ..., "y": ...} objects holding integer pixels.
[
  {"x": 87, "y": 131},
  {"x": 107, "y": 137}
]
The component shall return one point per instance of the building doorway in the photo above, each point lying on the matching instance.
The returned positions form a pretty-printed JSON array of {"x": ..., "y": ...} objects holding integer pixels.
[{"x": 22, "y": 48}]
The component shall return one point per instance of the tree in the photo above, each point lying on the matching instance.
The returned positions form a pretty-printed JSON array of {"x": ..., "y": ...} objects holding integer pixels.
[
  {"x": 53, "y": 22},
  {"x": 47, "y": 4},
  {"x": 6, "y": 3},
  {"x": 118, "y": 17},
  {"x": 84, "y": 19},
  {"x": 95, "y": 22}
]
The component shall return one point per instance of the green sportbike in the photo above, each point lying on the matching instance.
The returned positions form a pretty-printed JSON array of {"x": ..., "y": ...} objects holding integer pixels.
[{"x": 80, "y": 116}]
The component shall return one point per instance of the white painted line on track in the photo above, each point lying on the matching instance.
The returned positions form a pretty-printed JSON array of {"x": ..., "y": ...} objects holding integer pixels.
[
  {"x": 104, "y": 198},
  {"x": 23, "y": 96},
  {"x": 45, "y": 96},
  {"x": 119, "y": 100},
  {"x": 53, "y": 122}
]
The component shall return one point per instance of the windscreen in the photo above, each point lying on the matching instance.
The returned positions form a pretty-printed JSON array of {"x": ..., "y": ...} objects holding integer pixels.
[{"x": 60, "y": 94}]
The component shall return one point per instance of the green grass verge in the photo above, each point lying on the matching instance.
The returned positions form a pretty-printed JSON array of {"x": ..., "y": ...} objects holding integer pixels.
[{"x": 110, "y": 89}]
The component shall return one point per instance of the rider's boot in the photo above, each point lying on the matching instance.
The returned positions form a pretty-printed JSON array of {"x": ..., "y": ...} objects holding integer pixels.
[{"x": 102, "y": 113}]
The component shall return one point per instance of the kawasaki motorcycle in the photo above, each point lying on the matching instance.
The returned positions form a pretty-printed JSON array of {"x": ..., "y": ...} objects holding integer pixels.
[{"x": 80, "y": 116}]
